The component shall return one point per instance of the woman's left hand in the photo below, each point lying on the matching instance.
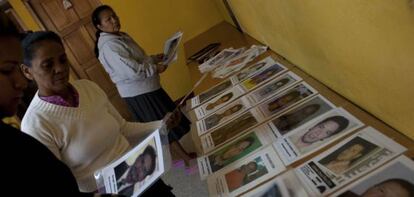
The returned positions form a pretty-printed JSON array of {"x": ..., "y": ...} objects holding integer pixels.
[
  {"x": 158, "y": 58},
  {"x": 172, "y": 119}
]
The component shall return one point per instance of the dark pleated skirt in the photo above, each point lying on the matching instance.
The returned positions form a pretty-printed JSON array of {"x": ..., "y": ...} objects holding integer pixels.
[{"x": 153, "y": 106}]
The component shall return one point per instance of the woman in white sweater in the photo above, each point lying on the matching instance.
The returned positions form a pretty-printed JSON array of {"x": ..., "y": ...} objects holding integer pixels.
[{"x": 75, "y": 120}]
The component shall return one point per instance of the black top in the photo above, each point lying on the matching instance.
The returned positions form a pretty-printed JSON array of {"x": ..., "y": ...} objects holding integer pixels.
[{"x": 29, "y": 168}]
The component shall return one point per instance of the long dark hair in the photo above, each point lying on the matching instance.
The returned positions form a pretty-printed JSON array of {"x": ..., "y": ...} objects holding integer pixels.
[{"x": 96, "y": 20}]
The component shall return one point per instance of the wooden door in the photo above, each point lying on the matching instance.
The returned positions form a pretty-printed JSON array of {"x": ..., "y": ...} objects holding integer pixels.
[{"x": 75, "y": 27}]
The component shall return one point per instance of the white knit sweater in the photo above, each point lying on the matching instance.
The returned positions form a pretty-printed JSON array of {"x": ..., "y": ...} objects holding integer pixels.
[{"x": 87, "y": 137}]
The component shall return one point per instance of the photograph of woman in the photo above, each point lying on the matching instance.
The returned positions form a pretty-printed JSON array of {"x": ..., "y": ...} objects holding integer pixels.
[
  {"x": 217, "y": 118},
  {"x": 350, "y": 153},
  {"x": 223, "y": 99},
  {"x": 234, "y": 151},
  {"x": 250, "y": 70},
  {"x": 258, "y": 78},
  {"x": 215, "y": 91},
  {"x": 136, "y": 75},
  {"x": 245, "y": 174}
]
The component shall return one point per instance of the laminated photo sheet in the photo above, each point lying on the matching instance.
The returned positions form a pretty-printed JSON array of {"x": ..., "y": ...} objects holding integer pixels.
[
  {"x": 393, "y": 177},
  {"x": 284, "y": 185},
  {"x": 218, "y": 102},
  {"x": 223, "y": 115},
  {"x": 300, "y": 114},
  {"x": 238, "y": 62},
  {"x": 235, "y": 150},
  {"x": 127, "y": 175},
  {"x": 220, "y": 59},
  {"x": 210, "y": 93},
  {"x": 348, "y": 161},
  {"x": 170, "y": 48},
  {"x": 226, "y": 132},
  {"x": 316, "y": 134},
  {"x": 262, "y": 76},
  {"x": 274, "y": 87},
  {"x": 286, "y": 99},
  {"x": 245, "y": 174},
  {"x": 251, "y": 70}
]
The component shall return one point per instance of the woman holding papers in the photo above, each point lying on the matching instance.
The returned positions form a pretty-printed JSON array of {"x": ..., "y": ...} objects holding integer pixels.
[
  {"x": 135, "y": 74},
  {"x": 76, "y": 120}
]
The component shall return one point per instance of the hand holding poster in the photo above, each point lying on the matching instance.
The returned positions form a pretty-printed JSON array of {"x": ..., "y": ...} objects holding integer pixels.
[{"x": 170, "y": 48}]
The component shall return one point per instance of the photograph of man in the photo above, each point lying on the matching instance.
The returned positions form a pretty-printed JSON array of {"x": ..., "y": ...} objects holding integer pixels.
[
  {"x": 346, "y": 156},
  {"x": 325, "y": 129},
  {"x": 128, "y": 176}
]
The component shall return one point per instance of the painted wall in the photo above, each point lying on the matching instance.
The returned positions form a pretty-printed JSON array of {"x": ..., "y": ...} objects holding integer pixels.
[
  {"x": 361, "y": 49},
  {"x": 151, "y": 22}
]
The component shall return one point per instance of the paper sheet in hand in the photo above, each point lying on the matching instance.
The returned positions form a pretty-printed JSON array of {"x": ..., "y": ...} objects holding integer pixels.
[{"x": 170, "y": 48}]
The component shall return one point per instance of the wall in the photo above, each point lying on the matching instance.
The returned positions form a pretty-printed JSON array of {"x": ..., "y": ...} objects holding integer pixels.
[
  {"x": 361, "y": 49},
  {"x": 151, "y": 22}
]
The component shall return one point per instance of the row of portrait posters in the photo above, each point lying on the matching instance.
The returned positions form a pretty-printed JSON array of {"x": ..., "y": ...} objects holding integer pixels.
[{"x": 259, "y": 121}]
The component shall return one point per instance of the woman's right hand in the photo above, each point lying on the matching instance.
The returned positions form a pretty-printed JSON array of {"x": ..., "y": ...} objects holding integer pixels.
[{"x": 161, "y": 68}]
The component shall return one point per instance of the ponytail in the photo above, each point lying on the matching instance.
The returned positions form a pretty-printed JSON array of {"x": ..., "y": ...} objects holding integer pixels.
[{"x": 97, "y": 35}]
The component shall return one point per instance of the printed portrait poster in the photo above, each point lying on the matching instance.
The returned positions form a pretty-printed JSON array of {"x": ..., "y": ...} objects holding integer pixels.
[
  {"x": 230, "y": 130},
  {"x": 284, "y": 185},
  {"x": 300, "y": 115},
  {"x": 170, "y": 48},
  {"x": 245, "y": 174},
  {"x": 315, "y": 134},
  {"x": 222, "y": 115},
  {"x": 218, "y": 102},
  {"x": 274, "y": 87},
  {"x": 214, "y": 91},
  {"x": 263, "y": 75},
  {"x": 393, "y": 179},
  {"x": 249, "y": 71},
  {"x": 235, "y": 150},
  {"x": 286, "y": 99},
  {"x": 347, "y": 161},
  {"x": 220, "y": 58},
  {"x": 135, "y": 171}
]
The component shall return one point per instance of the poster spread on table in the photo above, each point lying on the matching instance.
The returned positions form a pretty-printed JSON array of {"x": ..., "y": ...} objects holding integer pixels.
[
  {"x": 210, "y": 93},
  {"x": 245, "y": 174},
  {"x": 235, "y": 150},
  {"x": 253, "y": 69},
  {"x": 274, "y": 87},
  {"x": 128, "y": 175},
  {"x": 315, "y": 134},
  {"x": 220, "y": 59},
  {"x": 230, "y": 130},
  {"x": 265, "y": 74},
  {"x": 348, "y": 160},
  {"x": 396, "y": 178},
  {"x": 171, "y": 48},
  {"x": 284, "y": 185},
  {"x": 238, "y": 62},
  {"x": 218, "y": 102},
  {"x": 286, "y": 99},
  {"x": 300, "y": 115},
  {"x": 225, "y": 114}
]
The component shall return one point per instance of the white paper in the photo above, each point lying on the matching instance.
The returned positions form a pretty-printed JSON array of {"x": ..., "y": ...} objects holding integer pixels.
[
  {"x": 316, "y": 134},
  {"x": 218, "y": 102},
  {"x": 274, "y": 87},
  {"x": 223, "y": 115},
  {"x": 348, "y": 161},
  {"x": 230, "y": 130},
  {"x": 286, "y": 99},
  {"x": 116, "y": 176},
  {"x": 170, "y": 48},
  {"x": 300, "y": 114},
  {"x": 235, "y": 150},
  {"x": 401, "y": 168},
  {"x": 245, "y": 174}
]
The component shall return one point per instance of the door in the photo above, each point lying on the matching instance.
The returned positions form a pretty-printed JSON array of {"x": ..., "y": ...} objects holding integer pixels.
[{"x": 75, "y": 27}]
